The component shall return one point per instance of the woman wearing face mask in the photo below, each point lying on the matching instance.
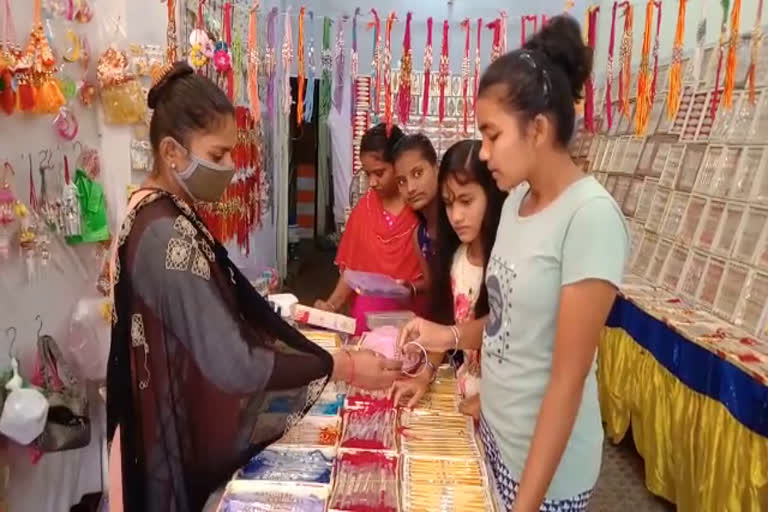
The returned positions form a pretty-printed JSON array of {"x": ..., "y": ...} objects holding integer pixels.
[
  {"x": 378, "y": 234},
  {"x": 552, "y": 278},
  {"x": 468, "y": 217},
  {"x": 194, "y": 361}
]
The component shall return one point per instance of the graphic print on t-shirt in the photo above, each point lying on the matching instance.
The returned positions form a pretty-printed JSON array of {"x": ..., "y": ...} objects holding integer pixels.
[{"x": 499, "y": 282}]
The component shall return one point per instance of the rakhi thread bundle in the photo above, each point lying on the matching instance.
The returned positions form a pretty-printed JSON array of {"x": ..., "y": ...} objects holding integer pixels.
[
  {"x": 354, "y": 66},
  {"x": 495, "y": 28},
  {"x": 643, "y": 111},
  {"x": 503, "y": 29},
  {"x": 270, "y": 501},
  {"x": 657, "y": 4},
  {"x": 427, "y": 72},
  {"x": 309, "y": 99},
  {"x": 589, "y": 88},
  {"x": 523, "y": 23},
  {"x": 326, "y": 65},
  {"x": 676, "y": 68},
  {"x": 725, "y": 4},
  {"x": 313, "y": 431},
  {"x": 287, "y": 53},
  {"x": 443, "y": 73},
  {"x": 338, "y": 90},
  {"x": 406, "y": 65},
  {"x": 387, "y": 65},
  {"x": 465, "y": 74},
  {"x": 730, "y": 68},
  {"x": 444, "y": 484},
  {"x": 270, "y": 62},
  {"x": 609, "y": 70},
  {"x": 366, "y": 481},
  {"x": 625, "y": 75},
  {"x": 301, "y": 70},
  {"x": 253, "y": 62},
  {"x": 376, "y": 65},
  {"x": 477, "y": 66},
  {"x": 370, "y": 428},
  {"x": 757, "y": 39}
]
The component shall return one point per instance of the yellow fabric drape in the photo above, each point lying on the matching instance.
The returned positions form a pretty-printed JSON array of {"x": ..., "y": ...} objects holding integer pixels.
[{"x": 696, "y": 454}]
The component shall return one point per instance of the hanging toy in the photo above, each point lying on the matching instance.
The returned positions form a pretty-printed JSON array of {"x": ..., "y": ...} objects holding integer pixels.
[
  {"x": 71, "y": 216},
  {"x": 200, "y": 45},
  {"x": 28, "y": 238},
  {"x": 222, "y": 57},
  {"x": 376, "y": 65},
  {"x": 8, "y": 220},
  {"x": 65, "y": 124}
]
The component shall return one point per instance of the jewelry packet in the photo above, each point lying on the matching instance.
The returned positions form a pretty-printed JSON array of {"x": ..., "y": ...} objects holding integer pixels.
[
  {"x": 290, "y": 465},
  {"x": 369, "y": 428},
  {"x": 254, "y": 496},
  {"x": 366, "y": 480}
]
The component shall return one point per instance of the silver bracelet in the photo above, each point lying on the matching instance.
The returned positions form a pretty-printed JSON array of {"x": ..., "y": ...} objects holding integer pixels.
[{"x": 455, "y": 331}]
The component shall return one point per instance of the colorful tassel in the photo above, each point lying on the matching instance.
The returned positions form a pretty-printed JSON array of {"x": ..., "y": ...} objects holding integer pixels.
[
  {"x": 676, "y": 68},
  {"x": 643, "y": 110},
  {"x": 253, "y": 62},
  {"x": 730, "y": 68}
]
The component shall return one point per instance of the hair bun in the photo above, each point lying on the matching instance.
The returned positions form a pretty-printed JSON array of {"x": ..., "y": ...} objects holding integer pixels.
[
  {"x": 560, "y": 40},
  {"x": 163, "y": 77}
]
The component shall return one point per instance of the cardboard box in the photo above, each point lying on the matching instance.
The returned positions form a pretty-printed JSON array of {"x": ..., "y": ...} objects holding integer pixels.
[{"x": 324, "y": 319}]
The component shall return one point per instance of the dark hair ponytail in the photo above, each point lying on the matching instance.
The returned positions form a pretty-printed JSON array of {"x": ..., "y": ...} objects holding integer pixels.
[
  {"x": 545, "y": 76},
  {"x": 184, "y": 102},
  {"x": 462, "y": 162},
  {"x": 376, "y": 140}
]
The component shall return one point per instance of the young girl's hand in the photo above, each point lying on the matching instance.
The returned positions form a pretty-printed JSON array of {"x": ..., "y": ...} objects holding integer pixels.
[
  {"x": 471, "y": 407},
  {"x": 415, "y": 387},
  {"x": 433, "y": 337}
]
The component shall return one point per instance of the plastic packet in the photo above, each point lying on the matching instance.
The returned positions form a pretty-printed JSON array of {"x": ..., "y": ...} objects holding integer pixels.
[{"x": 375, "y": 285}]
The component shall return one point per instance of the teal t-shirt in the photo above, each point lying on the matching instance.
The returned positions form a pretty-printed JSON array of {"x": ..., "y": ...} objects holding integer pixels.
[{"x": 580, "y": 235}]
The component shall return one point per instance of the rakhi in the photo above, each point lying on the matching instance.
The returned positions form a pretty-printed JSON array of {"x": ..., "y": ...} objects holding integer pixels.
[
  {"x": 376, "y": 65},
  {"x": 338, "y": 90},
  {"x": 477, "y": 67},
  {"x": 406, "y": 64},
  {"x": 495, "y": 27},
  {"x": 300, "y": 69},
  {"x": 66, "y": 124},
  {"x": 427, "y": 72},
  {"x": 589, "y": 91},
  {"x": 609, "y": 70},
  {"x": 642, "y": 112},
  {"x": 503, "y": 29},
  {"x": 172, "y": 49},
  {"x": 657, "y": 4},
  {"x": 387, "y": 65},
  {"x": 676, "y": 68},
  {"x": 757, "y": 39},
  {"x": 725, "y": 4},
  {"x": 354, "y": 65},
  {"x": 309, "y": 98},
  {"x": 9, "y": 55},
  {"x": 442, "y": 77},
  {"x": 200, "y": 45},
  {"x": 465, "y": 73},
  {"x": 326, "y": 63},
  {"x": 270, "y": 62},
  {"x": 287, "y": 58},
  {"x": 730, "y": 68},
  {"x": 523, "y": 22},
  {"x": 253, "y": 61},
  {"x": 223, "y": 56},
  {"x": 625, "y": 76}
]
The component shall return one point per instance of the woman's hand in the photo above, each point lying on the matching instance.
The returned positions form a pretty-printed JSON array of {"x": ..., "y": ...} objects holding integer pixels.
[
  {"x": 370, "y": 370},
  {"x": 433, "y": 337},
  {"x": 415, "y": 387},
  {"x": 471, "y": 407}
]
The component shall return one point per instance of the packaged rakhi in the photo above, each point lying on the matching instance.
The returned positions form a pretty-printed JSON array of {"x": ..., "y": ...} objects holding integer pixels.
[
  {"x": 359, "y": 397},
  {"x": 430, "y": 484},
  {"x": 366, "y": 482},
  {"x": 369, "y": 428},
  {"x": 314, "y": 431},
  {"x": 290, "y": 465},
  {"x": 245, "y": 496},
  {"x": 437, "y": 435}
]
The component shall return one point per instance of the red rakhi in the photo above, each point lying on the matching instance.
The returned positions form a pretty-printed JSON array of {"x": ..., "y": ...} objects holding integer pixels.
[
  {"x": 230, "y": 73},
  {"x": 376, "y": 64},
  {"x": 523, "y": 22},
  {"x": 503, "y": 29},
  {"x": 465, "y": 73},
  {"x": 406, "y": 64},
  {"x": 443, "y": 76},
  {"x": 495, "y": 26},
  {"x": 609, "y": 70},
  {"x": 427, "y": 71},
  {"x": 388, "y": 71},
  {"x": 477, "y": 66},
  {"x": 589, "y": 90}
]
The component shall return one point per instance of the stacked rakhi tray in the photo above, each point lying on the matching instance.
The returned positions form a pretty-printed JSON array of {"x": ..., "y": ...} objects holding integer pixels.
[{"x": 366, "y": 481}]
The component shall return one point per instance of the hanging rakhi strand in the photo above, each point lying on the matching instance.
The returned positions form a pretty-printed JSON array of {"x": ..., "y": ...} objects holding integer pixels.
[
  {"x": 253, "y": 62},
  {"x": 326, "y": 64},
  {"x": 427, "y": 72},
  {"x": 270, "y": 63},
  {"x": 388, "y": 71},
  {"x": 376, "y": 66},
  {"x": 725, "y": 4},
  {"x": 732, "y": 61},
  {"x": 676, "y": 68},
  {"x": 442, "y": 78},
  {"x": 465, "y": 25},
  {"x": 589, "y": 90},
  {"x": 625, "y": 76},
  {"x": 477, "y": 67},
  {"x": 495, "y": 27},
  {"x": 309, "y": 99},
  {"x": 230, "y": 72},
  {"x": 171, "y": 50},
  {"x": 354, "y": 65},
  {"x": 757, "y": 40},
  {"x": 406, "y": 66},
  {"x": 656, "y": 4},
  {"x": 287, "y": 50},
  {"x": 609, "y": 70},
  {"x": 300, "y": 69},
  {"x": 523, "y": 22},
  {"x": 643, "y": 78},
  {"x": 338, "y": 59},
  {"x": 503, "y": 30}
]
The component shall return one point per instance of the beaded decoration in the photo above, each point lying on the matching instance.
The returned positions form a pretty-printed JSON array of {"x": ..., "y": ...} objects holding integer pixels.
[
  {"x": 676, "y": 68},
  {"x": 642, "y": 113},
  {"x": 465, "y": 73},
  {"x": 338, "y": 59},
  {"x": 376, "y": 65},
  {"x": 122, "y": 97},
  {"x": 309, "y": 97},
  {"x": 253, "y": 62},
  {"x": 625, "y": 75},
  {"x": 427, "y": 72},
  {"x": 200, "y": 45},
  {"x": 443, "y": 73},
  {"x": 172, "y": 50},
  {"x": 287, "y": 54},
  {"x": 725, "y": 4},
  {"x": 326, "y": 63},
  {"x": 730, "y": 68},
  {"x": 300, "y": 70},
  {"x": 270, "y": 62},
  {"x": 609, "y": 70},
  {"x": 354, "y": 66},
  {"x": 9, "y": 56},
  {"x": 387, "y": 65},
  {"x": 406, "y": 65},
  {"x": 477, "y": 66}
]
